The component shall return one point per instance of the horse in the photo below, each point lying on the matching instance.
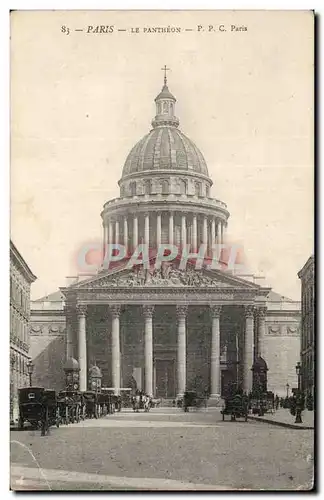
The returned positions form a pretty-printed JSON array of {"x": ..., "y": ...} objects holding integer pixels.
[
  {"x": 136, "y": 403},
  {"x": 146, "y": 403}
]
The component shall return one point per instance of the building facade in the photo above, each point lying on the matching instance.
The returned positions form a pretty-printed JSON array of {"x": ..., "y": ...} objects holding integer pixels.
[
  {"x": 307, "y": 346},
  {"x": 21, "y": 279},
  {"x": 162, "y": 326},
  {"x": 47, "y": 341}
]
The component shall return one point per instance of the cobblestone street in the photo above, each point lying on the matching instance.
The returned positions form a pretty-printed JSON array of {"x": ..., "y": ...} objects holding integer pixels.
[{"x": 165, "y": 449}]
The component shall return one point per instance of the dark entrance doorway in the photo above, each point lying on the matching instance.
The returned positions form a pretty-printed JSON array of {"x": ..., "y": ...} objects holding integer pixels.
[{"x": 164, "y": 378}]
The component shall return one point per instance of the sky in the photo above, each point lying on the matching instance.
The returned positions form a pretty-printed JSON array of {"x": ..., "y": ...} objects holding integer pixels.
[{"x": 79, "y": 102}]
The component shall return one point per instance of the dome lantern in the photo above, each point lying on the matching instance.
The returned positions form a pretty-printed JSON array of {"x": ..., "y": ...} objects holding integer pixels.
[{"x": 165, "y": 106}]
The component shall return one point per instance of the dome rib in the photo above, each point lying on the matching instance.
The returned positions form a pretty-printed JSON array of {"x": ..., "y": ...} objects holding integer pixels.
[{"x": 165, "y": 148}]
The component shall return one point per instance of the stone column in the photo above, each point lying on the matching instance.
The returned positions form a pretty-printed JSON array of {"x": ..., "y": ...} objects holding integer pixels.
[
  {"x": 126, "y": 235},
  {"x": 105, "y": 240},
  {"x": 135, "y": 233},
  {"x": 215, "y": 371},
  {"x": 213, "y": 232},
  {"x": 248, "y": 348},
  {"x": 115, "y": 347},
  {"x": 205, "y": 231},
  {"x": 194, "y": 233},
  {"x": 148, "y": 348},
  {"x": 69, "y": 332},
  {"x": 158, "y": 231},
  {"x": 222, "y": 232},
  {"x": 171, "y": 229},
  {"x": 147, "y": 230},
  {"x": 110, "y": 232},
  {"x": 117, "y": 232},
  {"x": 262, "y": 311},
  {"x": 219, "y": 236},
  {"x": 183, "y": 231},
  {"x": 181, "y": 359},
  {"x": 82, "y": 346}
]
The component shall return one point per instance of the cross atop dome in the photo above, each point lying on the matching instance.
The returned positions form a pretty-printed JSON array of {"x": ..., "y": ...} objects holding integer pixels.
[
  {"x": 165, "y": 104},
  {"x": 165, "y": 69}
]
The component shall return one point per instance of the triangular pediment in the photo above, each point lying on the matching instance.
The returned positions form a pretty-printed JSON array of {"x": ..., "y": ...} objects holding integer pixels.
[{"x": 169, "y": 275}]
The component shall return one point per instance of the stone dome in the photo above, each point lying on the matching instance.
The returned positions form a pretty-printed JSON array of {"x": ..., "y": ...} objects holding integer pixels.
[
  {"x": 165, "y": 148},
  {"x": 71, "y": 364}
]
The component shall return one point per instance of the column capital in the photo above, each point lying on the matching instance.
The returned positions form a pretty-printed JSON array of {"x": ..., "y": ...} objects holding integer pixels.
[
  {"x": 215, "y": 311},
  {"x": 261, "y": 312},
  {"x": 81, "y": 309},
  {"x": 249, "y": 311},
  {"x": 182, "y": 311},
  {"x": 115, "y": 310},
  {"x": 148, "y": 311}
]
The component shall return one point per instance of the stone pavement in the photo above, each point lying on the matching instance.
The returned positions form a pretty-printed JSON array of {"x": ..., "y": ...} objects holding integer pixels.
[
  {"x": 165, "y": 449},
  {"x": 284, "y": 418}
]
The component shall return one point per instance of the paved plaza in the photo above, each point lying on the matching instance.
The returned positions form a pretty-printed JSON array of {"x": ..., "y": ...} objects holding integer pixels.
[{"x": 165, "y": 449}]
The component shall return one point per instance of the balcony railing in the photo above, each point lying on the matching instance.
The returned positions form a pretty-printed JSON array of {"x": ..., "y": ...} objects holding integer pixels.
[{"x": 166, "y": 197}]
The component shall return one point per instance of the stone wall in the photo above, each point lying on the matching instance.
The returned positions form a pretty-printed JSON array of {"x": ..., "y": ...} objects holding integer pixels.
[
  {"x": 47, "y": 349},
  {"x": 282, "y": 346}
]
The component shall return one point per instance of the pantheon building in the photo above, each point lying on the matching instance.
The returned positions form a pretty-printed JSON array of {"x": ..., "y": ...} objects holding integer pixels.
[{"x": 171, "y": 328}]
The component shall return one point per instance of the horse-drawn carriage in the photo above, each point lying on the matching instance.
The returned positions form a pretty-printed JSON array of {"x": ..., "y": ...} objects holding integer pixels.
[
  {"x": 261, "y": 403},
  {"x": 70, "y": 406},
  {"x": 237, "y": 406},
  {"x": 141, "y": 401},
  {"x": 106, "y": 404},
  {"x": 38, "y": 407},
  {"x": 192, "y": 400}
]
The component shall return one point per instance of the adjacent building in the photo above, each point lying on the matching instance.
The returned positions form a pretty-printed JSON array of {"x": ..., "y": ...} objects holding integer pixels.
[
  {"x": 167, "y": 329},
  {"x": 21, "y": 278},
  {"x": 307, "y": 346}
]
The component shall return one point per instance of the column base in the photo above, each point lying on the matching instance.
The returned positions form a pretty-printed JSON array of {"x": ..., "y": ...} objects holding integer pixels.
[{"x": 215, "y": 400}]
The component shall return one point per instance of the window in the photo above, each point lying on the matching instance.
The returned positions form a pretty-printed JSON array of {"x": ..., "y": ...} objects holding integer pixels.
[
  {"x": 197, "y": 189},
  {"x": 208, "y": 191},
  {"x": 165, "y": 187},
  {"x": 132, "y": 188},
  {"x": 159, "y": 108},
  {"x": 183, "y": 186},
  {"x": 165, "y": 107},
  {"x": 147, "y": 187}
]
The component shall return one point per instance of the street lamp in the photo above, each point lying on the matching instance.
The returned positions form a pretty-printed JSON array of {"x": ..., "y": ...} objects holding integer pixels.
[
  {"x": 299, "y": 401},
  {"x": 30, "y": 369},
  {"x": 298, "y": 371}
]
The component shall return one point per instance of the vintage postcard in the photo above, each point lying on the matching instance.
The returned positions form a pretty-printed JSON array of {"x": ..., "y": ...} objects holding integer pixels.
[{"x": 161, "y": 250}]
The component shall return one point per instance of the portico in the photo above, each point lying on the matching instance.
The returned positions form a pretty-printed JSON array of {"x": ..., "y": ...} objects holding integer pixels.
[{"x": 171, "y": 334}]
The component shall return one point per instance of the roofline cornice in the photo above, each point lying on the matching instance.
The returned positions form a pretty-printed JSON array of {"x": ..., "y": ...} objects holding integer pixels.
[
  {"x": 16, "y": 256},
  {"x": 161, "y": 172}
]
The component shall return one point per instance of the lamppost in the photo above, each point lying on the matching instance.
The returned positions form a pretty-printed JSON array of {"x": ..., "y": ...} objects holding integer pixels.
[
  {"x": 30, "y": 369},
  {"x": 287, "y": 387},
  {"x": 299, "y": 399}
]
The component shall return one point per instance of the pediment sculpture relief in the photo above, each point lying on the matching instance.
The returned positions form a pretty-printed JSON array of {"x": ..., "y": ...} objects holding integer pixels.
[{"x": 167, "y": 276}]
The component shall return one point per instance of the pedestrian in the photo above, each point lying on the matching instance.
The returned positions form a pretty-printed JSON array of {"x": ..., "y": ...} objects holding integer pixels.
[
  {"x": 277, "y": 402},
  {"x": 44, "y": 416}
]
